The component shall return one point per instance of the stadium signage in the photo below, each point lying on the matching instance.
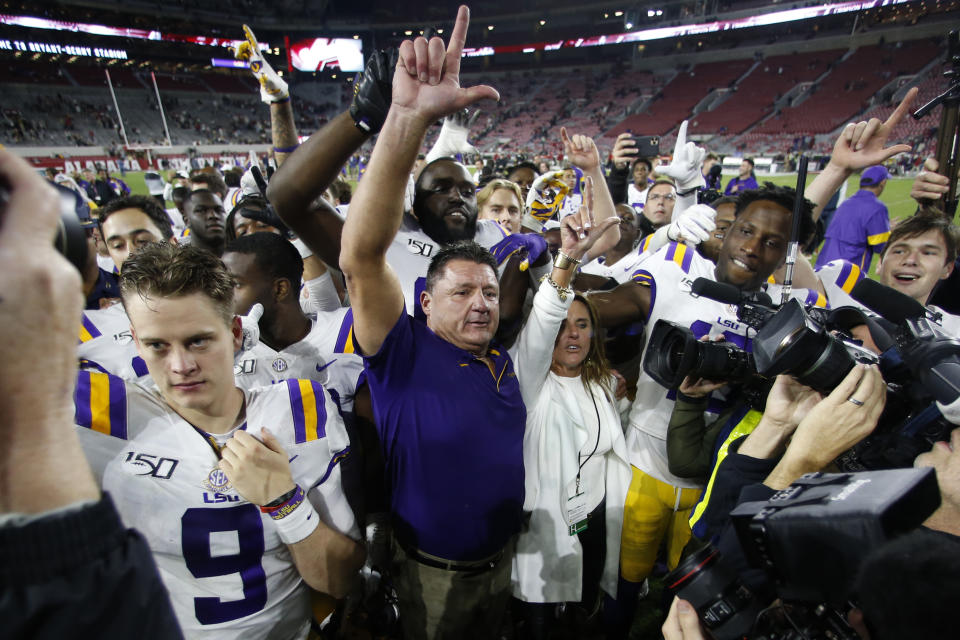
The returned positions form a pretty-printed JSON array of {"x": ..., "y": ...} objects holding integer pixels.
[
  {"x": 62, "y": 49},
  {"x": 32, "y": 22}
]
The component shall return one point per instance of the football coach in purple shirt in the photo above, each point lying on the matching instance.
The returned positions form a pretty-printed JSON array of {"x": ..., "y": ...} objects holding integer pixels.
[{"x": 447, "y": 403}]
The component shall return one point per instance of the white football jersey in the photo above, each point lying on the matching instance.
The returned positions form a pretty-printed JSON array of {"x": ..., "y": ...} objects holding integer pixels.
[
  {"x": 670, "y": 273},
  {"x": 106, "y": 343},
  {"x": 411, "y": 251},
  {"x": 327, "y": 355},
  {"x": 635, "y": 197},
  {"x": 228, "y": 573},
  {"x": 840, "y": 276}
]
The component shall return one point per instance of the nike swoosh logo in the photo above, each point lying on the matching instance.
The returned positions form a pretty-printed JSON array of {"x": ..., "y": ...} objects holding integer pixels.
[
  {"x": 320, "y": 369},
  {"x": 293, "y": 458}
]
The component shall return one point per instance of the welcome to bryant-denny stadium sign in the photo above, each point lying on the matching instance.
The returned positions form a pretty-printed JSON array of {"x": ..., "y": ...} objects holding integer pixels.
[{"x": 62, "y": 49}]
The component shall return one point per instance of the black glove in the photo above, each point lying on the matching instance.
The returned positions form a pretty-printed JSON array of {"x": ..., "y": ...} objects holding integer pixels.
[{"x": 373, "y": 91}]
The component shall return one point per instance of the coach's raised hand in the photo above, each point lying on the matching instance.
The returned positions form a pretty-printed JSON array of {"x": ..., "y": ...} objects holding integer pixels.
[{"x": 426, "y": 83}]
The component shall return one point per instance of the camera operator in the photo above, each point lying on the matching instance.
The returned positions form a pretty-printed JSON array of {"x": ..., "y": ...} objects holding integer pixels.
[
  {"x": 68, "y": 566},
  {"x": 753, "y": 249},
  {"x": 907, "y": 586}
]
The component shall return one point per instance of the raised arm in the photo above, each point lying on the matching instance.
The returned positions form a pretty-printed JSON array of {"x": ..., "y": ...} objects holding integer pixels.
[
  {"x": 426, "y": 87},
  {"x": 859, "y": 146},
  {"x": 274, "y": 92},
  {"x": 296, "y": 188},
  {"x": 582, "y": 152},
  {"x": 579, "y": 232},
  {"x": 630, "y": 302}
]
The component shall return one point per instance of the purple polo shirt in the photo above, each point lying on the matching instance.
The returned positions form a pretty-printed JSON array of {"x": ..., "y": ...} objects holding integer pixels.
[
  {"x": 452, "y": 439},
  {"x": 746, "y": 184},
  {"x": 859, "y": 228}
]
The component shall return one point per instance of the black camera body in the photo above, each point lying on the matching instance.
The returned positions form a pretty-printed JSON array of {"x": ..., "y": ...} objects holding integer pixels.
[
  {"x": 809, "y": 343},
  {"x": 810, "y": 539}
]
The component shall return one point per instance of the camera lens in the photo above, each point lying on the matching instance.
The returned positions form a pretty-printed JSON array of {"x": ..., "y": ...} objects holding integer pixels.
[{"x": 726, "y": 607}]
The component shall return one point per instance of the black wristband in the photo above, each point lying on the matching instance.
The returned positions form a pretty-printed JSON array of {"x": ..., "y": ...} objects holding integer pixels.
[{"x": 279, "y": 501}]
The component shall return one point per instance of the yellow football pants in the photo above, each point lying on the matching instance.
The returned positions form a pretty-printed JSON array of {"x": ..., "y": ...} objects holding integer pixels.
[{"x": 653, "y": 509}]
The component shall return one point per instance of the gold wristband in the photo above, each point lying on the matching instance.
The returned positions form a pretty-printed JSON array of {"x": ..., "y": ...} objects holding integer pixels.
[{"x": 563, "y": 261}]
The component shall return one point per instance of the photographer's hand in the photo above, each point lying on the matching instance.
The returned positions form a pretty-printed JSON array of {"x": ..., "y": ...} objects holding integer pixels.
[
  {"x": 787, "y": 404},
  {"x": 835, "y": 424},
  {"x": 682, "y": 622}
]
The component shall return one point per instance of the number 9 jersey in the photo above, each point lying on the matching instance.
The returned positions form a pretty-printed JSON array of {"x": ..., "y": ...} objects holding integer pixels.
[{"x": 228, "y": 573}]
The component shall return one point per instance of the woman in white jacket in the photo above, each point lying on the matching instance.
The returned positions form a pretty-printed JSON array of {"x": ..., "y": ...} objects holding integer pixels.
[{"x": 575, "y": 462}]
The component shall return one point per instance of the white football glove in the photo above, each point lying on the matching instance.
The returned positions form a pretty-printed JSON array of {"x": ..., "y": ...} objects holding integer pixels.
[
  {"x": 250, "y": 324},
  {"x": 453, "y": 136},
  {"x": 272, "y": 87},
  {"x": 694, "y": 225},
  {"x": 686, "y": 163}
]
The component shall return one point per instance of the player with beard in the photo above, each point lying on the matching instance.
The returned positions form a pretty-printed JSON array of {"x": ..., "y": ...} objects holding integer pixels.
[{"x": 444, "y": 206}]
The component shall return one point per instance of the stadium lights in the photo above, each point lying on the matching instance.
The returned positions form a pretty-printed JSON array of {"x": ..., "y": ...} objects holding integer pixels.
[
  {"x": 408, "y": 32},
  {"x": 543, "y": 22},
  {"x": 490, "y": 27},
  {"x": 617, "y": 14},
  {"x": 356, "y": 37},
  {"x": 440, "y": 31},
  {"x": 629, "y": 25},
  {"x": 680, "y": 31}
]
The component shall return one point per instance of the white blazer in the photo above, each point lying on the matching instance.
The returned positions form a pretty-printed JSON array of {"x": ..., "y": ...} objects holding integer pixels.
[{"x": 548, "y": 564}]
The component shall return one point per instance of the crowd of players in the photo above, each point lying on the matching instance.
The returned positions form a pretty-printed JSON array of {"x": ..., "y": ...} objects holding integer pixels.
[{"x": 431, "y": 382}]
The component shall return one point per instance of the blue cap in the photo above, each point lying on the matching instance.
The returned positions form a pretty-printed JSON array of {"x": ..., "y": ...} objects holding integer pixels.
[{"x": 874, "y": 175}]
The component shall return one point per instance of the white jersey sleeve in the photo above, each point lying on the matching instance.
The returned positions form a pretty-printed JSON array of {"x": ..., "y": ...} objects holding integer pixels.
[
  {"x": 226, "y": 569},
  {"x": 106, "y": 344},
  {"x": 839, "y": 277},
  {"x": 327, "y": 355}
]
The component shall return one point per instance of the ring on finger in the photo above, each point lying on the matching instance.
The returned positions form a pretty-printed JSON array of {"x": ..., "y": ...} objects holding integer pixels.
[{"x": 853, "y": 400}]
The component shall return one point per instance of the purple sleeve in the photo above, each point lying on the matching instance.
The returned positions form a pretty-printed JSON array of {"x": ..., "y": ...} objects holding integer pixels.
[
  {"x": 878, "y": 228},
  {"x": 393, "y": 362}
]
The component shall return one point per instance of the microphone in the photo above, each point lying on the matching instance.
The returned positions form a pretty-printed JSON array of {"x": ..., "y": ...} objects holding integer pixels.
[
  {"x": 719, "y": 291},
  {"x": 886, "y": 301},
  {"x": 727, "y": 293}
]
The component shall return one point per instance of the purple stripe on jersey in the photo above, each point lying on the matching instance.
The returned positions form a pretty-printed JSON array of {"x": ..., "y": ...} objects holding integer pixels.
[
  {"x": 687, "y": 259},
  {"x": 671, "y": 251},
  {"x": 139, "y": 366},
  {"x": 81, "y": 400},
  {"x": 296, "y": 404},
  {"x": 345, "y": 327},
  {"x": 90, "y": 327},
  {"x": 320, "y": 399},
  {"x": 645, "y": 278},
  {"x": 334, "y": 461},
  {"x": 844, "y": 273},
  {"x": 118, "y": 407}
]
